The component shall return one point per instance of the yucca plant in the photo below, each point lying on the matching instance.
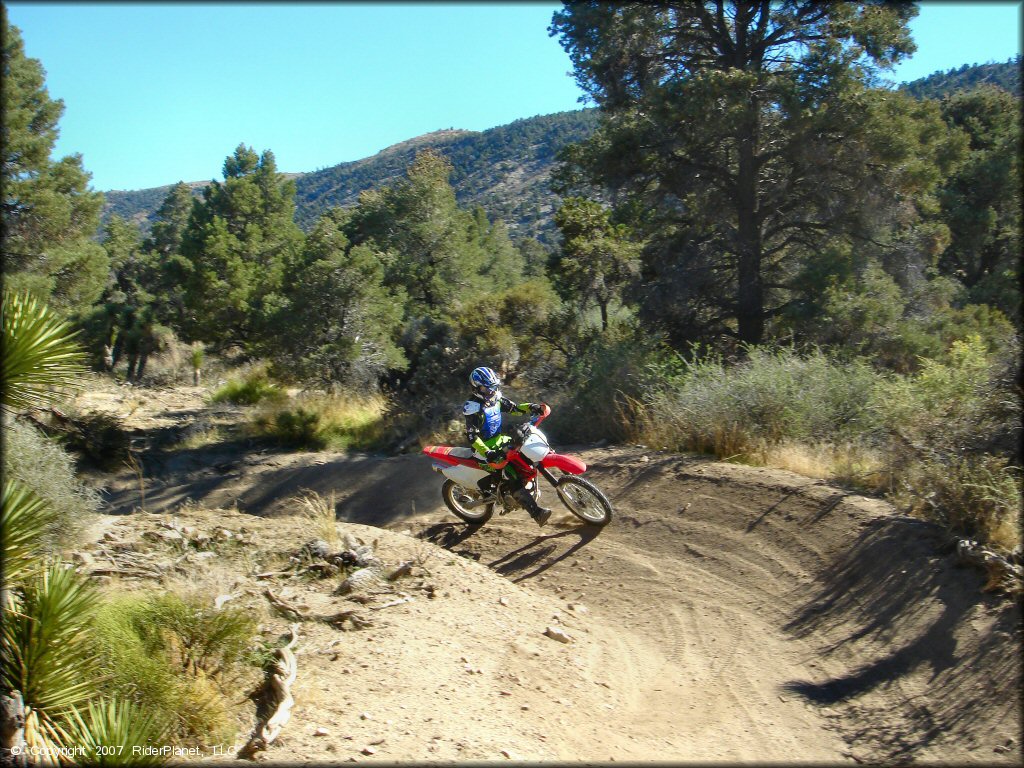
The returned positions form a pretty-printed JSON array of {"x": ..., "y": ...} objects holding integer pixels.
[
  {"x": 25, "y": 520},
  {"x": 40, "y": 354},
  {"x": 46, "y": 651},
  {"x": 109, "y": 731}
]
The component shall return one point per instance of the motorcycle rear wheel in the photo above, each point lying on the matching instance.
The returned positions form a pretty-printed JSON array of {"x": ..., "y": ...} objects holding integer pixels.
[
  {"x": 585, "y": 500},
  {"x": 455, "y": 496}
]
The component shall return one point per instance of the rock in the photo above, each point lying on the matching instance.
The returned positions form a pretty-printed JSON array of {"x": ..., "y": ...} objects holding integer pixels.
[
  {"x": 559, "y": 634},
  {"x": 321, "y": 732},
  {"x": 578, "y": 608},
  {"x": 84, "y": 559},
  {"x": 224, "y": 534},
  {"x": 503, "y": 601},
  {"x": 317, "y": 548},
  {"x": 360, "y": 579},
  {"x": 369, "y": 751}
]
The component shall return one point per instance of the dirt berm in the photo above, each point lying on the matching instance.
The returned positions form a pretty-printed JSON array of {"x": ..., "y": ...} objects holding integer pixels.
[{"x": 727, "y": 614}]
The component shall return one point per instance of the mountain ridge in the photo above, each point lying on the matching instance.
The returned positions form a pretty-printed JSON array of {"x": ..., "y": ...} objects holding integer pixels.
[{"x": 505, "y": 169}]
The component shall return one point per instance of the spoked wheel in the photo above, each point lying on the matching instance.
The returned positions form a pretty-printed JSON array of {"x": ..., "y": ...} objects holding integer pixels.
[
  {"x": 457, "y": 498},
  {"x": 584, "y": 500}
]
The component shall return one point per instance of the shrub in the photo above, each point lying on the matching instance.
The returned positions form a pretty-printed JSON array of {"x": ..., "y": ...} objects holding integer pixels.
[
  {"x": 253, "y": 388},
  {"x": 44, "y": 467},
  {"x": 178, "y": 658},
  {"x": 321, "y": 422},
  {"x": 974, "y": 496},
  {"x": 771, "y": 397}
]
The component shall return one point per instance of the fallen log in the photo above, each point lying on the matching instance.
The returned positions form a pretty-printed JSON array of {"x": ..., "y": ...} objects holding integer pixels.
[{"x": 277, "y": 690}]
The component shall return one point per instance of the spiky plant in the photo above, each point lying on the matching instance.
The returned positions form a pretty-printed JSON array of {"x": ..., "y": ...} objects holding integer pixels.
[
  {"x": 25, "y": 520},
  {"x": 109, "y": 731},
  {"x": 46, "y": 650},
  {"x": 40, "y": 354}
]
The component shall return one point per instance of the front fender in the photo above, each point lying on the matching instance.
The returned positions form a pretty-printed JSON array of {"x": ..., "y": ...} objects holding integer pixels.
[{"x": 569, "y": 464}]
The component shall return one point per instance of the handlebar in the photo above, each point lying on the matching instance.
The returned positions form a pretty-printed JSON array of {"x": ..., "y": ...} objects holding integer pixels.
[{"x": 538, "y": 418}]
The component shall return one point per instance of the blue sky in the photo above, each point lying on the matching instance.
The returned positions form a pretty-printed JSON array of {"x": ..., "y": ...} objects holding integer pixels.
[{"x": 158, "y": 93}]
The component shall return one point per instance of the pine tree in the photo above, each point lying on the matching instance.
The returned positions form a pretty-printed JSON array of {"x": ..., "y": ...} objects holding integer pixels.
[
  {"x": 741, "y": 138},
  {"x": 49, "y": 213},
  {"x": 237, "y": 245}
]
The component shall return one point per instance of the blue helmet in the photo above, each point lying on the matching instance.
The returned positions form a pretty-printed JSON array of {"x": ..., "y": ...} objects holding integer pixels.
[{"x": 485, "y": 381}]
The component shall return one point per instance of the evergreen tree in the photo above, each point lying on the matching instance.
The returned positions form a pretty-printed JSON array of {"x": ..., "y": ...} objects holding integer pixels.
[
  {"x": 49, "y": 213},
  {"x": 982, "y": 201},
  {"x": 339, "y": 320},
  {"x": 172, "y": 271},
  {"x": 742, "y": 137},
  {"x": 598, "y": 259},
  {"x": 425, "y": 238},
  {"x": 239, "y": 240}
]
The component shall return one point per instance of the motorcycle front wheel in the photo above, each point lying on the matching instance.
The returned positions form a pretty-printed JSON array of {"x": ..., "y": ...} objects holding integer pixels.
[
  {"x": 456, "y": 497},
  {"x": 584, "y": 500}
]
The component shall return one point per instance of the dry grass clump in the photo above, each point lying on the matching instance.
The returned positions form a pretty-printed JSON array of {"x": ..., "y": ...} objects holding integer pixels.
[
  {"x": 321, "y": 515},
  {"x": 320, "y": 422}
]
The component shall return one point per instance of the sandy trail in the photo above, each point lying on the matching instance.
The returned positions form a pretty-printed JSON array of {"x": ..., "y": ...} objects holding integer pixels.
[{"x": 728, "y": 614}]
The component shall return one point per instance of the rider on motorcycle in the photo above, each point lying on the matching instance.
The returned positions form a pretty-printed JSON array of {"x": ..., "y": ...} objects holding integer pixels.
[{"x": 483, "y": 431}]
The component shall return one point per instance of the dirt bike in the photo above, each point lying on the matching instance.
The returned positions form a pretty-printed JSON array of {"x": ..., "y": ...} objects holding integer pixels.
[{"x": 532, "y": 457}]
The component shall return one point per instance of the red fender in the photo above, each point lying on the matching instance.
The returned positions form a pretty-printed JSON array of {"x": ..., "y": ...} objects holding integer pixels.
[
  {"x": 569, "y": 464},
  {"x": 452, "y": 455}
]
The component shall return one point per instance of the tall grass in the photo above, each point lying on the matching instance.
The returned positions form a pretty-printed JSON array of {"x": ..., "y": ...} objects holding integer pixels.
[
  {"x": 249, "y": 389},
  {"x": 942, "y": 442},
  {"x": 178, "y": 658},
  {"x": 324, "y": 422}
]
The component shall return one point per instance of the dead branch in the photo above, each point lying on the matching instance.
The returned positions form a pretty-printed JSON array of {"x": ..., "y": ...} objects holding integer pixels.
[{"x": 278, "y": 690}]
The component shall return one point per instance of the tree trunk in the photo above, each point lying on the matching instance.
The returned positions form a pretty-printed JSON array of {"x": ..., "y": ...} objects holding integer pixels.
[
  {"x": 750, "y": 286},
  {"x": 12, "y": 730}
]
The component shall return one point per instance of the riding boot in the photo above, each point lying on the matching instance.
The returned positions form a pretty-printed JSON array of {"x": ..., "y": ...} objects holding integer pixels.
[
  {"x": 537, "y": 512},
  {"x": 486, "y": 484}
]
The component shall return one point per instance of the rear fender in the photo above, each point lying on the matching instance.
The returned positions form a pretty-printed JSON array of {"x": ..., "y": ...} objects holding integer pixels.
[{"x": 569, "y": 464}]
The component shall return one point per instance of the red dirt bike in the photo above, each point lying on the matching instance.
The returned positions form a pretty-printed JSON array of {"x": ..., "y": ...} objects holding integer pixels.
[{"x": 532, "y": 457}]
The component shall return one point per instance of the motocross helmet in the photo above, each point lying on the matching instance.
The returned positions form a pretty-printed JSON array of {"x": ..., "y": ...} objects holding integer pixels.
[{"x": 485, "y": 382}]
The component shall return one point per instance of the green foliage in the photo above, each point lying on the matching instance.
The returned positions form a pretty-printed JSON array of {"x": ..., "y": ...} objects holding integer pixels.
[
  {"x": 237, "y": 245},
  {"x": 598, "y": 258},
  {"x": 46, "y": 648},
  {"x": 336, "y": 324},
  {"x": 177, "y": 658},
  {"x": 981, "y": 203},
  {"x": 25, "y": 523},
  {"x": 327, "y": 422},
  {"x": 40, "y": 355},
  {"x": 1004, "y": 75},
  {"x": 735, "y": 168},
  {"x": 43, "y": 467},
  {"x": 252, "y": 388},
  {"x": 110, "y": 730},
  {"x": 870, "y": 315},
  {"x": 49, "y": 214}
]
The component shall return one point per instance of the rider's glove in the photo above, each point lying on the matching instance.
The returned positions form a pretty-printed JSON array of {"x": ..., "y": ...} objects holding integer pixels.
[
  {"x": 537, "y": 408},
  {"x": 494, "y": 456}
]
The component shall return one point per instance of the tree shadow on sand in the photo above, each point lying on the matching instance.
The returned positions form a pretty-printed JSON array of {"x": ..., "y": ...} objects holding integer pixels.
[{"x": 897, "y": 615}]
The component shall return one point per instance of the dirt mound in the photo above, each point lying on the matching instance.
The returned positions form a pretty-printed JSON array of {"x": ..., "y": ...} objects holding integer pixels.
[{"x": 726, "y": 614}]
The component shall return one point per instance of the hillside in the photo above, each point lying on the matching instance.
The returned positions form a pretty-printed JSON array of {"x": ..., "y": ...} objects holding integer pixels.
[
  {"x": 505, "y": 169},
  {"x": 1005, "y": 75},
  {"x": 726, "y": 614}
]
